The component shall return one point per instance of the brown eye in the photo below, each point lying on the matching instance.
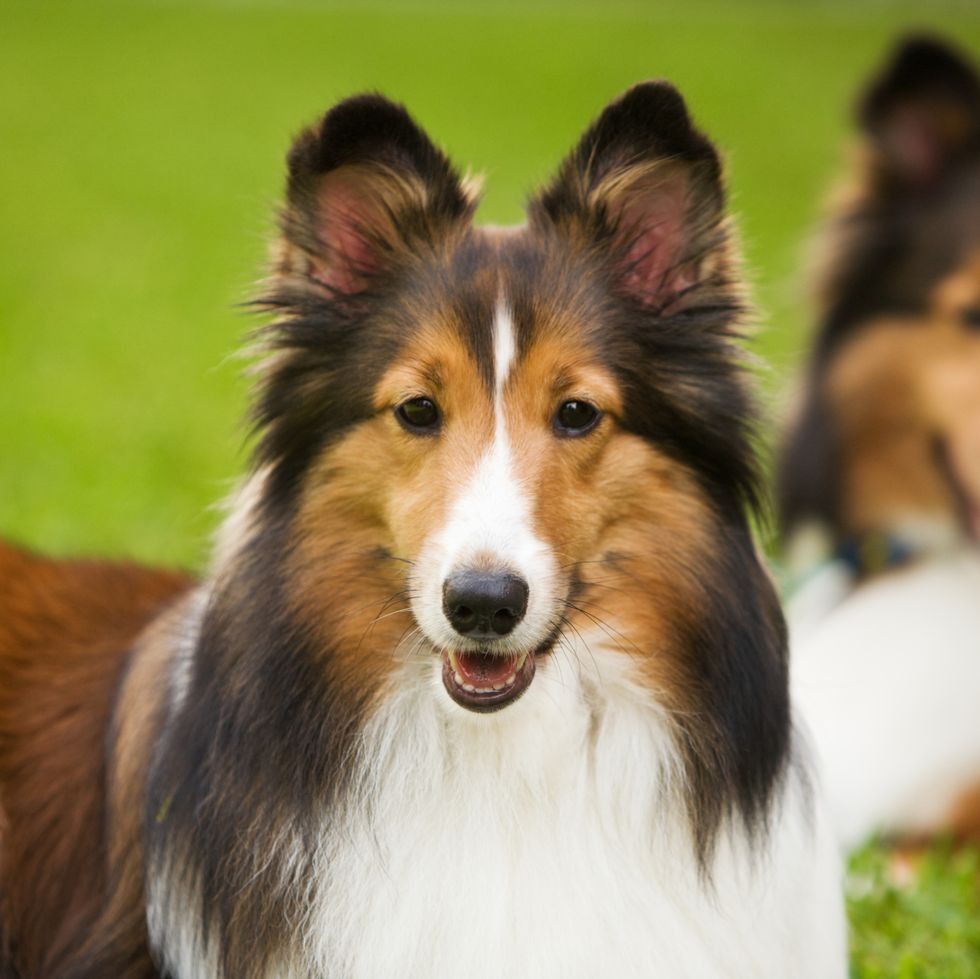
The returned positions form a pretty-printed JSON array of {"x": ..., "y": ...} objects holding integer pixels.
[
  {"x": 420, "y": 416},
  {"x": 971, "y": 318},
  {"x": 576, "y": 418}
]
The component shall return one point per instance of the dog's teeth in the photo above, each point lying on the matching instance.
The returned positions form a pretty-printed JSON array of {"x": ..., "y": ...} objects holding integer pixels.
[{"x": 488, "y": 688}]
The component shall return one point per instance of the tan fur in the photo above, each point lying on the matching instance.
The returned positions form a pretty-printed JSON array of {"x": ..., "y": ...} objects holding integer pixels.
[
  {"x": 896, "y": 388},
  {"x": 658, "y": 531}
]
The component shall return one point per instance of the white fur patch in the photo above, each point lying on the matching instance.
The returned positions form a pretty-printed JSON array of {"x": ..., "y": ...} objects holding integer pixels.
[
  {"x": 889, "y": 683},
  {"x": 182, "y": 663},
  {"x": 177, "y": 937},
  {"x": 504, "y": 351},
  {"x": 239, "y": 524}
]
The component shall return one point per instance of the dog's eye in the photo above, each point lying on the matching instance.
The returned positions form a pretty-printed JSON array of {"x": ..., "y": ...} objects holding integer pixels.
[
  {"x": 420, "y": 416},
  {"x": 576, "y": 418},
  {"x": 971, "y": 318}
]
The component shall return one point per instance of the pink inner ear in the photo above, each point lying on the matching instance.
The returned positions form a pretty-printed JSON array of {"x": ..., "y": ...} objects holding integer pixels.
[
  {"x": 351, "y": 228},
  {"x": 652, "y": 227}
]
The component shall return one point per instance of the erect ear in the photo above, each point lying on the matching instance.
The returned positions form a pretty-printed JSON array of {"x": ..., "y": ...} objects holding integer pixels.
[
  {"x": 922, "y": 112},
  {"x": 645, "y": 186},
  {"x": 364, "y": 185}
]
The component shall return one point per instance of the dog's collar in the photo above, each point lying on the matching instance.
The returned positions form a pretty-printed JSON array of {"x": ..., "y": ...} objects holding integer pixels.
[
  {"x": 863, "y": 556},
  {"x": 876, "y": 552}
]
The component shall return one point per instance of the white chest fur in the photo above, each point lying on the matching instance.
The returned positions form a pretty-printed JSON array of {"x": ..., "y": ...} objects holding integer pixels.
[{"x": 548, "y": 841}]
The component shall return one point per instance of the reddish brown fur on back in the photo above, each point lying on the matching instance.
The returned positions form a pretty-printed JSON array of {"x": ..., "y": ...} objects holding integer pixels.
[{"x": 65, "y": 630}]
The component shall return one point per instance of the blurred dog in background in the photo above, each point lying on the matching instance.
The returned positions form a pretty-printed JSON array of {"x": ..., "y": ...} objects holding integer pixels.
[{"x": 879, "y": 475}]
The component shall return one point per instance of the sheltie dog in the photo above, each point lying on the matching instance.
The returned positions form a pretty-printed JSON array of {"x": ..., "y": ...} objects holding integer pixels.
[
  {"x": 882, "y": 467},
  {"x": 487, "y": 678}
]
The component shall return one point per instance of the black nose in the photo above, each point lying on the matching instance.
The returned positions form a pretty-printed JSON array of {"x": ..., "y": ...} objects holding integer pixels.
[{"x": 484, "y": 604}]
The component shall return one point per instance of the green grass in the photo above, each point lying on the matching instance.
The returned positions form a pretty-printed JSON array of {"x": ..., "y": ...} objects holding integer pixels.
[
  {"x": 141, "y": 150},
  {"x": 926, "y": 927}
]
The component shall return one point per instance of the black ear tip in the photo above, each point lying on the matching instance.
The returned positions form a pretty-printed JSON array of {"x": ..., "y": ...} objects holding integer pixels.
[
  {"x": 365, "y": 116},
  {"x": 650, "y": 118},
  {"x": 356, "y": 128},
  {"x": 654, "y": 104},
  {"x": 920, "y": 65},
  {"x": 371, "y": 130},
  {"x": 922, "y": 53}
]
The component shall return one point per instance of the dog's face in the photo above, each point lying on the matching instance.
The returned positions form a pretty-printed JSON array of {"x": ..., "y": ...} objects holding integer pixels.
[
  {"x": 483, "y": 440},
  {"x": 497, "y": 486},
  {"x": 499, "y": 468}
]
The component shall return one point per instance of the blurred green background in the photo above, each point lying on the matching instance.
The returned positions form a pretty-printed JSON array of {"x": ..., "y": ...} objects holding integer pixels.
[
  {"x": 141, "y": 149},
  {"x": 141, "y": 146}
]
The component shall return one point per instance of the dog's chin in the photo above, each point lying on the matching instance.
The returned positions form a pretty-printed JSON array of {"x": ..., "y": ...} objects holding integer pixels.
[{"x": 485, "y": 682}]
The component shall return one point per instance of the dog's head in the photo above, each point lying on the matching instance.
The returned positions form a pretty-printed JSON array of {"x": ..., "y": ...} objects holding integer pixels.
[
  {"x": 484, "y": 441},
  {"x": 910, "y": 211},
  {"x": 908, "y": 217},
  {"x": 920, "y": 116}
]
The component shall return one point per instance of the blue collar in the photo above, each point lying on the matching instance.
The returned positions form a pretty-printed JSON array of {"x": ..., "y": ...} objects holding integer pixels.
[{"x": 874, "y": 553}]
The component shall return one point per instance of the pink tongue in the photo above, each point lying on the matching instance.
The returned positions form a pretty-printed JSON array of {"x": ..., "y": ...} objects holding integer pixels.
[{"x": 482, "y": 670}]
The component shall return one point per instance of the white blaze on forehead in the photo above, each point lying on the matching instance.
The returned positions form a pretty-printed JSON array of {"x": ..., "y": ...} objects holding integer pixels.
[
  {"x": 504, "y": 348},
  {"x": 491, "y": 519},
  {"x": 492, "y": 515}
]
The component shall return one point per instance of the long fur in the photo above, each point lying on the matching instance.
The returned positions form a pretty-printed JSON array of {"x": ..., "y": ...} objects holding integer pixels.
[{"x": 311, "y": 801}]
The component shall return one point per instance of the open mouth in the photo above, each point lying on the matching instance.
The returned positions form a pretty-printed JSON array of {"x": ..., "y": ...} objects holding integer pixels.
[{"x": 485, "y": 682}]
